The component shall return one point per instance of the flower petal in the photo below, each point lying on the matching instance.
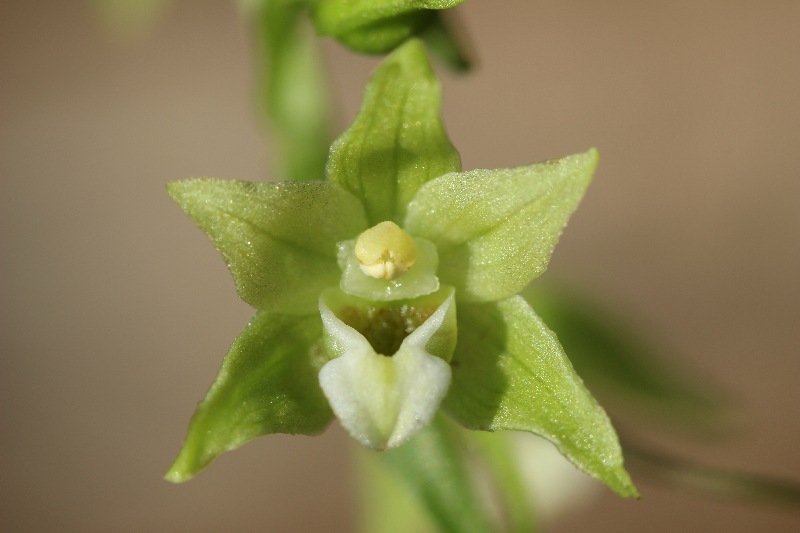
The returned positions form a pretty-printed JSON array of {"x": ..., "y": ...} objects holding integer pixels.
[
  {"x": 495, "y": 229},
  {"x": 267, "y": 384},
  {"x": 278, "y": 239},
  {"x": 510, "y": 372},
  {"x": 397, "y": 142},
  {"x": 382, "y": 400}
]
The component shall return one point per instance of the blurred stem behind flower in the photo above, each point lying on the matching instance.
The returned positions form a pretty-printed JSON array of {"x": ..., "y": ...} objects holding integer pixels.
[{"x": 481, "y": 354}]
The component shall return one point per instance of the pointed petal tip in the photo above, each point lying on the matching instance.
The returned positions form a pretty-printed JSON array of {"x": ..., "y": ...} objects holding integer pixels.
[
  {"x": 174, "y": 477},
  {"x": 174, "y": 189},
  {"x": 177, "y": 475},
  {"x": 623, "y": 485},
  {"x": 186, "y": 466},
  {"x": 593, "y": 154},
  {"x": 178, "y": 190},
  {"x": 588, "y": 160}
]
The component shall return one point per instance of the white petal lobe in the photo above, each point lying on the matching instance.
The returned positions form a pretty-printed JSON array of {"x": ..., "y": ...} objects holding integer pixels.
[{"x": 382, "y": 401}]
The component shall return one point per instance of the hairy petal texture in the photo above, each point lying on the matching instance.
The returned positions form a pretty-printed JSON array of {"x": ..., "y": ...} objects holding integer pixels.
[
  {"x": 495, "y": 230},
  {"x": 397, "y": 142},
  {"x": 267, "y": 384},
  {"x": 510, "y": 372},
  {"x": 278, "y": 239}
]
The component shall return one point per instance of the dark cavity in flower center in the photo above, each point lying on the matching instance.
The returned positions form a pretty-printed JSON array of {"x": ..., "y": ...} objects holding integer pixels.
[{"x": 385, "y": 327}]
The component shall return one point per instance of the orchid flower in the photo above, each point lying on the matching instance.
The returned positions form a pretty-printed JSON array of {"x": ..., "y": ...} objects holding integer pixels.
[{"x": 387, "y": 292}]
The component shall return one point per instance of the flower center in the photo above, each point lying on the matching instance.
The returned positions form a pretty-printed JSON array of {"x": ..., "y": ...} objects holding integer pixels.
[
  {"x": 385, "y": 327},
  {"x": 385, "y": 251}
]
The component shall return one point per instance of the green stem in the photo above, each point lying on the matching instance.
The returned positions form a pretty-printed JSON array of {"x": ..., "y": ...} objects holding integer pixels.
[
  {"x": 496, "y": 451},
  {"x": 293, "y": 89}
]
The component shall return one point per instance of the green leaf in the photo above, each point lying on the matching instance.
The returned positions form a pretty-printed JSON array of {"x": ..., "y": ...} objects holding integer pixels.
[
  {"x": 375, "y": 26},
  {"x": 495, "y": 229},
  {"x": 267, "y": 384},
  {"x": 292, "y": 87},
  {"x": 615, "y": 359},
  {"x": 434, "y": 467},
  {"x": 510, "y": 372},
  {"x": 397, "y": 142},
  {"x": 278, "y": 240}
]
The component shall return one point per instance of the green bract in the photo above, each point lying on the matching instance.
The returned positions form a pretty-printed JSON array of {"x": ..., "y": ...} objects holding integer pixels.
[{"x": 384, "y": 353}]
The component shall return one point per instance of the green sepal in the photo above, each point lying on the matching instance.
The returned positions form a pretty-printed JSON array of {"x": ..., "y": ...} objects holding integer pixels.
[
  {"x": 398, "y": 142},
  {"x": 292, "y": 88},
  {"x": 375, "y": 26},
  {"x": 495, "y": 230},
  {"x": 267, "y": 384},
  {"x": 278, "y": 239},
  {"x": 434, "y": 466},
  {"x": 510, "y": 373}
]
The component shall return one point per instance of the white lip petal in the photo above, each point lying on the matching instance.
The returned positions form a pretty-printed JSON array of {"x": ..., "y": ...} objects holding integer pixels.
[{"x": 382, "y": 401}]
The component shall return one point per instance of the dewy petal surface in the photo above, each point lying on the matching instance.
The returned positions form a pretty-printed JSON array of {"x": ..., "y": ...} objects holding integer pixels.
[
  {"x": 398, "y": 141},
  {"x": 510, "y": 372},
  {"x": 278, "y": 239},
  {"x": 495, "y": 230},
  {"x": 383, "y": 400},
  {"x": 267, "y": 384}
]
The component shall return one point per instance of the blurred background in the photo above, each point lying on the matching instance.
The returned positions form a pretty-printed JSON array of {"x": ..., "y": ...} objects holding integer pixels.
[{"x": 116, "y": 310}]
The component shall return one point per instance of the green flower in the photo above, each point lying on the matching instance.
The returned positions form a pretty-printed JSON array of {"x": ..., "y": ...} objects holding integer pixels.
[{"x": 388, "y": 292}]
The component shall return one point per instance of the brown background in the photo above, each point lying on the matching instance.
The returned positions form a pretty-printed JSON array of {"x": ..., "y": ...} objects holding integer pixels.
[{"x": 116, "y": 311}]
